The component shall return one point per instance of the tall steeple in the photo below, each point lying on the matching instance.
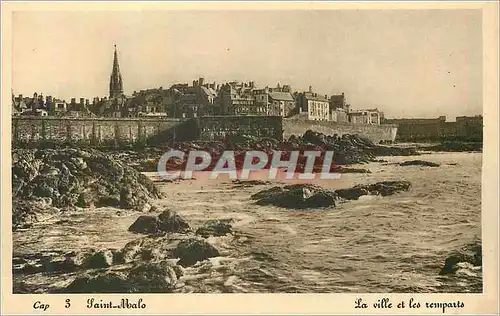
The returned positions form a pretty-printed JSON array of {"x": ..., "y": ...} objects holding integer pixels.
[{"x": 115, "y": 81}]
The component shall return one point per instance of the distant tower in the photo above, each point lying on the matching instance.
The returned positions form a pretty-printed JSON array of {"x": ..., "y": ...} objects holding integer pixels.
[{"x": 115, "y": 81}]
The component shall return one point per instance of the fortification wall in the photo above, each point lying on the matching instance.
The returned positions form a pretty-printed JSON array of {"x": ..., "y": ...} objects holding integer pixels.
[
  {"x": 218, "y": 127},
  {"x": 92, "y": 131},
  {"x": 376, "y": 133},
  {"x": 122, "y": 131}
]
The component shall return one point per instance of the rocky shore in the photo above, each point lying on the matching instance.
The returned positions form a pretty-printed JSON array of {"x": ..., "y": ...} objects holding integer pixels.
[
  {"x": 170, "y": 254},
  {"x": 48, "y": 181},
  {"x": 153, "y": 263},
  {"x": 301, "y": 196},
  {"x": 348, "y": 149}
]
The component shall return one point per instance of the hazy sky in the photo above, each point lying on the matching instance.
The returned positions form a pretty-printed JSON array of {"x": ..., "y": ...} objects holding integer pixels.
[{"x": 418, "y": 63}]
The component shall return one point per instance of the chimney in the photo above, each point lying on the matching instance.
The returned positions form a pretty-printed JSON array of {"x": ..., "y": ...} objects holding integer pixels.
[
  {"x": 310, "y": 89},
  {"x": 195, "y": 83},
  {"x": 73, "y": 100},
  {"x": 326, "y": 96},
  {"x": 87, "y": 102},
  {"x": 200, "y": 81},
  {"x": 20, "y": 97}
]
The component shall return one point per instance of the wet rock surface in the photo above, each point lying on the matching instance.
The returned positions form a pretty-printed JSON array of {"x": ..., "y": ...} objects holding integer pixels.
[
  {"x": 192, "y": 250},
  {"x": 215, "y": 227},
  {"x": 383, "y": 188},
  {"x": 166, "y": 222},
  {"x": 297, "y": 196},
  {"x": 301, "y": 196},
  {"x": 70, "y": 177},
  {"x": 348, "y": 149},
  {"x": 469, "y": 255},
  {"x": 422, "y": 163},
  {"x": 464, "y": 266},
  {"x": 149, "y": 264},
  {"x": 456, "y": 146},
  {"x": 26, "y": 213}
]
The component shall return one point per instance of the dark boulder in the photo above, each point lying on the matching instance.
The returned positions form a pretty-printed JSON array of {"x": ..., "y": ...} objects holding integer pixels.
[
  {"x": 350, "y": 170},
  {"x": 153, "y": 277},
  {"x": 214, "y": 227},
  {"x": 298, "y": 196},
  {"x": 419, "y": 163},
  {"x": 100, "y": 259},
  {"x": 146, "y": 224},
  {"x": 352, "y": 193},
  {"x": 385, "y": 188},
  {"x": 106, "y": 283},
  {"x": 192, "y": 250},
  {"x": 471, "y": 253},
  {"x": 138, "y": 249},
  {"x": 171, "y": 222}
]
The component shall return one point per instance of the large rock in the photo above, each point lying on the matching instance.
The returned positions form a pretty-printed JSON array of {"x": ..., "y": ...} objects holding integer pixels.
[
  {"x": 422, "y": 163},
  {"x": 456, "y": 146},
  {"x": 298, "y": 196},
  {"x": 144, "y": 277},
  {"x": 383, "y": 188},
  {"x": 171, "y": 222},
  {"x": 192, "y": 250},
  {"x": 470, "y": 253},
  {"x": 26, "y": 213},
  {"x": 106, "y": 283},
  {"x": 146, "y": 224},
  {"x": 149, "y": 248},
  {"x": 100, "y": 259},
  {"x": 166, "y": 222},
  {"x": 81, "y": 177},
  {"x": 215, "y": 227},
  {"x": 153, "y": 277}
]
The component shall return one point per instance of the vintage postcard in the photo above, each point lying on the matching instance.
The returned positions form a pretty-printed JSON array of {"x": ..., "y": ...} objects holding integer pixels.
[{"x": 249, "y": 158}]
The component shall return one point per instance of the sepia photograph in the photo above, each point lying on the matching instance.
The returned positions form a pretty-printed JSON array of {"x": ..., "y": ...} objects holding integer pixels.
[{"x": 247, "y": 151}]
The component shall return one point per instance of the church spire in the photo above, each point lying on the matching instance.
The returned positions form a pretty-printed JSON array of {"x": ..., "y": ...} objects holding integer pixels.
[{"x": 115, "y": 81}]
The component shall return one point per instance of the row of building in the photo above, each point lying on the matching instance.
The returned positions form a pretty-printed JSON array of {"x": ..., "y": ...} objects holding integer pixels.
[
  {"x": 204, "y": 99},
  {"x": 200, "y": 99}
]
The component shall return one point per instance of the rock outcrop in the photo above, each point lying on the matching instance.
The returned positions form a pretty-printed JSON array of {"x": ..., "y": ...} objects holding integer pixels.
[
  {"x": 192, "y": 250},
  {"x": 71, "y": 177},
  {"x": 215, "y": 227},
  {"x": 383, "y": 188},
  {"x": 469, "y": 254},
  {"x": 149, "y": 277},
  {"x": 300, "y": 196},
  {"x": 422, "y": 163},
  {"x": 166, "y": 222},
  {"x": 297, "y": 196}
]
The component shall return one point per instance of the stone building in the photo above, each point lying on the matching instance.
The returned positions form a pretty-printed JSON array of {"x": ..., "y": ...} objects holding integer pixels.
[
  {"x": 237, "y": 98},
  {"x": 315, "y": 106},
  {"x": 339, "y": 109},
  {"x": 365, "y": 116},
  {"x": 199, "y": 99},
  {"x": 277, "y": 101}
]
